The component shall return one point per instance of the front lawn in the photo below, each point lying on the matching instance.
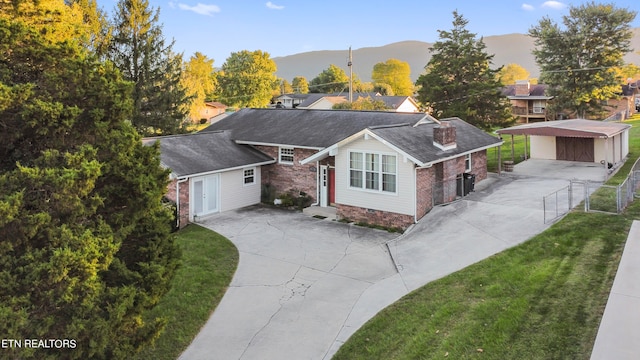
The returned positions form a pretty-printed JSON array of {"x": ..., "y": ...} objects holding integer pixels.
[
  {"x": 543, "y": 299},
  {"x": 209, "y": 261}
]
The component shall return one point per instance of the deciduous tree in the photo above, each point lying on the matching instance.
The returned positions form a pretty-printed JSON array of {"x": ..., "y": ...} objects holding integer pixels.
[
  {"x": 578, "y": 58},
  {"x": 199, "y": 82},
  {"x": 511, "y": 73},
  {"x": 247, "y": 79},
  {"x": 331, "y": 80},
  {"x": 459, "y": 80},
  {"x": 394, "y": 73},
  {"x": 138, "y": 49},
  {"x": 300, "y": 85}
]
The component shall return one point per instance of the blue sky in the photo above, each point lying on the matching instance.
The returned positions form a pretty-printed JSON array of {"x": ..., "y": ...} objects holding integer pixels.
[{"x": 217, "y": 28}]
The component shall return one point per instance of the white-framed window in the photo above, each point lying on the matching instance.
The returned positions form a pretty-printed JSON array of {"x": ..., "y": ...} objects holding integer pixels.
[
  {"x": 285, "y": 155},
  {"x": 538, "y": 106},
  {"x": 468, "y": 164},
  {"x": 249, "y": 176},
  {"x": 373, "y": 171}
]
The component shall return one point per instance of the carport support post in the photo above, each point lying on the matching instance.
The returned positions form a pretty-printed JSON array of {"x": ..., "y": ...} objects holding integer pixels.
[
  {"x": 525, "y": 146},
  {"x": 513, "y": 150}
]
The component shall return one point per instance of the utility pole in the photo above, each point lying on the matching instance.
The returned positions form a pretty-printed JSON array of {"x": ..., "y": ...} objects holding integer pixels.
[{"x": 350, "y": 65}]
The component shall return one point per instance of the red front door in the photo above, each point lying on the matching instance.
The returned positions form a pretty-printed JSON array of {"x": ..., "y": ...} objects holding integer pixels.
[{"x": 331, "y": 186}]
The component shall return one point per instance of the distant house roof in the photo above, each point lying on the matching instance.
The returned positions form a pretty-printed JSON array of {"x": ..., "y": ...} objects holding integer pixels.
[
  {"x": 216, "y": 104},
  {"x": 192, "y": 154},
  {"x": 391, "y": 102},
  {"x": 579, "y": 128},
  {"x": 416, "y": 140},
  {"x": 536, "y": 92},
  {"x": 294, "y": 96},
  {"x": 304, "y": 128}
]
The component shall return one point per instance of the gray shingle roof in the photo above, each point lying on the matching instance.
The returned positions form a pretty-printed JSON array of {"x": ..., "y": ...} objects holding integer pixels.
[
  {"x": 306, "y": 128},
  {"x": 418, "y": 141},
  {"x": 191, "y": 154}
]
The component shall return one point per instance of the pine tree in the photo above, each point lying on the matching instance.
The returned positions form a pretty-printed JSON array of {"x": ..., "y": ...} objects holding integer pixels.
[
  {"x": 86, "y": 244},
  {"x": 460, "y": 82},
  {"x": 138, "y": 49}
]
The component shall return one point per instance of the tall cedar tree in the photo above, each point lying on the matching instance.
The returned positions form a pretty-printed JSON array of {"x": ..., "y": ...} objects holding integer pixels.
[
  {"x": 247, "y": 79},
  {"x": 459, "y": 81},
  {"x": 86, "y": 245},
  {"x": 578, "y": 61},
  {"x": 138, "y": 49}
]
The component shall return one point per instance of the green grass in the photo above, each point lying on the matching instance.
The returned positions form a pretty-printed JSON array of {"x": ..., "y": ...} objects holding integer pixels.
[
  {"x": 543, "y": 299},
  {"x": 209, "y": 261},
  {"x": 505, "y": 152}
]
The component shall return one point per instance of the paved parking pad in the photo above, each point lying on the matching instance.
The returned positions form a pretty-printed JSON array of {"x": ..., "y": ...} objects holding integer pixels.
[{"x": 304, "y": 285}]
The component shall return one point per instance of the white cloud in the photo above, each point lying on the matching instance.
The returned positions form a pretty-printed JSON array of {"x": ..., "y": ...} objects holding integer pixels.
[
  {"x": 554, "y": 5},
  {"x": 273, "y": 6},
  {"x": 202, "y": 9},
  {"x": 527, "y": 7}
]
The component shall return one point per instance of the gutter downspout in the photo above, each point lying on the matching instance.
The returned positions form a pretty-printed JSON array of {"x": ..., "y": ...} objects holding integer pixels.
[{"x": 178, "y": 200}]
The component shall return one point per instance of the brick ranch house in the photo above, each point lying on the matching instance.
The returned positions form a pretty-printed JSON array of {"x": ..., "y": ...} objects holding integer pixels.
[{"x": 374, "y": 167}]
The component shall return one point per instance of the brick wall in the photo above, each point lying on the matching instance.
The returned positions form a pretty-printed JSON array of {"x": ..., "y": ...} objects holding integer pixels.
[
  {"x": 285, "y": 178},
  {"x": 377, "y": 217},
  {"x": 479, "y": 165},
  {"x": 184, "y": 199},
  {"x": 425, "y": 179}
]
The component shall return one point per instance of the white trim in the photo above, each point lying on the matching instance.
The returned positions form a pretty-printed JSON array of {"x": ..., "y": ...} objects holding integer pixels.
[
  {"x": 431, "y": 163},
  {"x": 293, "y": 155},
  {"x": 380, "y": 173},
  {"x": 252, "y": 176},
  {"x": 469, "y": 168},
  {"x": 243, "y": 142},
  {"x": 226, "y": 169}
]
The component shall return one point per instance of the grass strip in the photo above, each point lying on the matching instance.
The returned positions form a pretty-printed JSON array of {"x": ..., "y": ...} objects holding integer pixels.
[{"x": 209, "y": 261}]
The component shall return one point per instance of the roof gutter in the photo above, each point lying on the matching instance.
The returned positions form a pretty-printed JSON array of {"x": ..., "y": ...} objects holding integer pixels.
[{"x": 272, "y": 161}]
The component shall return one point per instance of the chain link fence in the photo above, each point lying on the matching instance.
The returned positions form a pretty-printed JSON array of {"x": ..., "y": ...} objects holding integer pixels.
[{"x": 597, "y": 197}]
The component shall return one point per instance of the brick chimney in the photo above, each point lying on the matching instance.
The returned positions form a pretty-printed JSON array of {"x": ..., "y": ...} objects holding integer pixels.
[
  {"x": 523, "y": 88},
  {"x": 444, "y": 136}
]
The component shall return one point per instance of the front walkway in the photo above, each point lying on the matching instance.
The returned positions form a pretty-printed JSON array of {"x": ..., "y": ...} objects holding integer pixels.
[{"x": 619, "y": 333}]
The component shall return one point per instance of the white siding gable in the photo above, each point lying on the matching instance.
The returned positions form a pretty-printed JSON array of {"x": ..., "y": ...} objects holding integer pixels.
[{"x": 402, "y": 201}]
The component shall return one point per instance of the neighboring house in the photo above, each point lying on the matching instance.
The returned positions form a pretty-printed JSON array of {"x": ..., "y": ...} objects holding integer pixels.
[
  {"x": 326, "y": 101},
  {"x": 210, "y": 172},
  {"x": 212, "y": 109},
  {"x": 290, "y": 101},
  {"x": 377, "y": 167},
  {"x": 594, "y": 141},
  {"x": 625, "y": 106},
  {"x": 528, "y": 101}
]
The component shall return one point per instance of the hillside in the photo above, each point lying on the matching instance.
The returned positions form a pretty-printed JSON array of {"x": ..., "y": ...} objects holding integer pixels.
[{"x": 510, "y": 48}]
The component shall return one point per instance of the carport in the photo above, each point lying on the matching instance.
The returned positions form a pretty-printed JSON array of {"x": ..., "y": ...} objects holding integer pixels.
[{"x": 579, "y": 140}]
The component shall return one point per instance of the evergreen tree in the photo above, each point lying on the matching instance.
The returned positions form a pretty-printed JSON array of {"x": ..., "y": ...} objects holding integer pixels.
[
  {"x": 86, "y": 244},
  {"x": 247, "y": 79},
  {"x": 138, "y": 49},
  {"x": 331, "y": 80},
  {"x": 578, "y": 61},
  {"x": 459, "y": 81}
]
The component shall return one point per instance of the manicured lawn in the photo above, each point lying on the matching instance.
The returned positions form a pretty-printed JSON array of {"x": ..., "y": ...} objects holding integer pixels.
[
  {"x": 209, "y": 261},
  {"x": 543, "y": 299}
]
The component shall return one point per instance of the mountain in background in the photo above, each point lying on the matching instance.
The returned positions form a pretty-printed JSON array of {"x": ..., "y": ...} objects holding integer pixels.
[{"x": 511, "y": 48}]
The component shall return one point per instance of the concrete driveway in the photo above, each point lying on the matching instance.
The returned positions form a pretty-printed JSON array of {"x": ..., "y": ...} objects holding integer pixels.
[{"x": 304, "y": 285}]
